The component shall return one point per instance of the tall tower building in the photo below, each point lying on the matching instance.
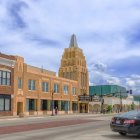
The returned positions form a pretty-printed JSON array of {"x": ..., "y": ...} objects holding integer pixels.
[{"x": 73, "y": 66}]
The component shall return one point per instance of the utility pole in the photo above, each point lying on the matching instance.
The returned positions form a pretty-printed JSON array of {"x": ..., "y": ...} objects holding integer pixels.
[
  {"x": 120, "y": 101},
  {"x": 52, "y": 103},
  {"x": 102, "y": 101},
  {"x": 139, "y": 104}
]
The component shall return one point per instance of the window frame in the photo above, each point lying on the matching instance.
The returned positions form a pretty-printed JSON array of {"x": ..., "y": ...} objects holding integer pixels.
[
  {"x": 5, "y": 98},
  {"x": 74, "y": 90},
  {"x": 56, "y": 88},
  {"x": 5, "y": 78},
  {"x": 19, "y": 83},
  {"x": 31, "y": 84},
  {"x": 66, "y": 89},
  {"x": 45, "y": 87}
]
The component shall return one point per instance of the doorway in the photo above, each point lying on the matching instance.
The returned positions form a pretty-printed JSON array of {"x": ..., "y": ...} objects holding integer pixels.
[
  {"x": 19, "y": 107},
  {"x": 83, "y": 108}
]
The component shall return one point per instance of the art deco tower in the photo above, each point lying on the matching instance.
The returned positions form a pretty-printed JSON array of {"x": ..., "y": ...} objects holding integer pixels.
[{"x": 73, "y": 66}]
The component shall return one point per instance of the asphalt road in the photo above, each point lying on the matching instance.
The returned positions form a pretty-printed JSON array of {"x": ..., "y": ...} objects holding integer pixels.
[{"x": 86, "y": 127}]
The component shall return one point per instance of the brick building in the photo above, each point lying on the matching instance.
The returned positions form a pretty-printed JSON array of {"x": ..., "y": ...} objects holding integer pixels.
[
  {"x": 35, "y": 91},
  {"x": 73, "y": 66}
]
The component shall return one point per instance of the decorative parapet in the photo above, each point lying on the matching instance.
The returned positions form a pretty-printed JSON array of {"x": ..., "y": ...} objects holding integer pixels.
[{"x": 37, "y": 70}]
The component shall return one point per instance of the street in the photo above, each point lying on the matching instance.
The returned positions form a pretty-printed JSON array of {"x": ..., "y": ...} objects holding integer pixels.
[{"x": 73, "y": 127}]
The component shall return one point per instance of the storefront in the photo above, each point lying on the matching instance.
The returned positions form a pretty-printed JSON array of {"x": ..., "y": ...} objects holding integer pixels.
[{"x": 5, "y": 102}]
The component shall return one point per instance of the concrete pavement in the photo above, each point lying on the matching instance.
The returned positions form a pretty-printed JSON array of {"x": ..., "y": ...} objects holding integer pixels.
[{"x": 93, "y": 130}]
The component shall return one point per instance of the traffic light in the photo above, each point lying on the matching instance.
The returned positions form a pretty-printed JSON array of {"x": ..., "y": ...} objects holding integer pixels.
[{"x": 130, "y": 91}]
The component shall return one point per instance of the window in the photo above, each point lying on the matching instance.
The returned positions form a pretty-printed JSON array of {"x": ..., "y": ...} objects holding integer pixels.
[
  {"x": 5, "y": 102},
  {"x": 27, "y": 104},
  {"x": 74, "y": 106},
  {"x": 56, "y": 88},
  {"x": 44, "y": 104},
  {"x": 65, "y": 105},
  {"x": 0, "y": 77},
  {"x": 31, "y": 104},
  {"x": 74, "y": 90},
  {"x": 8, "y": 78},
  {"x": 45, "y": 86},
  {"x": 31, "y": 84},
  {"x": 1, "y": 104},
  {"x": 19, "y": 83},
  {"x": 65, "y": 89},
  {"x": 5, "y": 78}
]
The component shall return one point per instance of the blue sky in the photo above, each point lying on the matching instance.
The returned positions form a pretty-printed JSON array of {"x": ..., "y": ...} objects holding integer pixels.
[{"x": 108, "y": 31}]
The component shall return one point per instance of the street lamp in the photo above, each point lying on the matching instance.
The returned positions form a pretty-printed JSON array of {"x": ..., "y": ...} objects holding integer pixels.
[
  {"x": 52, "y": 103},
  {"x": 121, "y": 96},
  {"x": 102, "y": 101},
  {"x": 120, "y": 101}
]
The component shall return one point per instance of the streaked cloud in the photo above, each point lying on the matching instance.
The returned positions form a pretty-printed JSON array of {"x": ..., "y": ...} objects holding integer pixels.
[{"x": 107, "y": 31}]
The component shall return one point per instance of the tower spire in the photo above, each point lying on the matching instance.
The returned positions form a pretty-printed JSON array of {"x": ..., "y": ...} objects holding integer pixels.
[{"x": 73, "y": 41}]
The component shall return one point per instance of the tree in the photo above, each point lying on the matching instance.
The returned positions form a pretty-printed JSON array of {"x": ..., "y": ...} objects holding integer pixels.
[
  {"x": 109, "y": 108},
  {"x": 132, "y": 106}
]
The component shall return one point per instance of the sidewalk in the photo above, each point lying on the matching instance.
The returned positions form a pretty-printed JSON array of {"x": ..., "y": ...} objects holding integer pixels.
[{"x": 65, "y": 115}]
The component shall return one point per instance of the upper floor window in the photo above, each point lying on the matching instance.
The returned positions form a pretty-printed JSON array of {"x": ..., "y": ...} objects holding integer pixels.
[
  {"x": 5, "y": 78},
  {"x": 66, "y": 89},
  {"x": 74, "y": 90},
  {"x": 31, "y": 84},
  {"x": 56, "y": 88},
  {"x": 19, "y": 83},
  {"x": 45, "y": 86}
]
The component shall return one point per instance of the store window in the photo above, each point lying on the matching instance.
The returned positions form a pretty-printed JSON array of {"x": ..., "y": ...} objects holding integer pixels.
[
  {"x": 30, "y": 104},
  {"x": 5, "y": 102}
]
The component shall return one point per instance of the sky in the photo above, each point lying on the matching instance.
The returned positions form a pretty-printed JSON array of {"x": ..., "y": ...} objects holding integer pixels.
[{"x": 108, "y": 31}]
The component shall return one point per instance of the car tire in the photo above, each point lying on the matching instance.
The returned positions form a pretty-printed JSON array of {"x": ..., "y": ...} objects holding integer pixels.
[
  {"x": 138, "y": 135},
  {"x": 122, "y": 133}
]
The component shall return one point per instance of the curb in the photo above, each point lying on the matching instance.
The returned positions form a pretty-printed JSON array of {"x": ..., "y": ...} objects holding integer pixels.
[{"x": 35, "y": 116}]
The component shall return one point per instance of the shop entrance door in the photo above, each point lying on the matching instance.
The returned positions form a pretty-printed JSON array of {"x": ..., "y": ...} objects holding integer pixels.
[{"x": 19, "y": 108}]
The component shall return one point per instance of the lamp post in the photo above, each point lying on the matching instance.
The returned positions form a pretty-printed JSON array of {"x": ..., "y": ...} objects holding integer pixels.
[
  {"x": 120, "y": 101},
  {"x": 102, "y": 101},
  {"x": 52, "y": 103},
  {"x": 139, "y": 104}
]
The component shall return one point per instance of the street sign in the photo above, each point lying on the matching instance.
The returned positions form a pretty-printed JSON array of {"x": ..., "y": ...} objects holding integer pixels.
[
  {"x": 90, "y": 98},
  {"x": 95, "y": 98},
  {"x": 84, "y": 98}
]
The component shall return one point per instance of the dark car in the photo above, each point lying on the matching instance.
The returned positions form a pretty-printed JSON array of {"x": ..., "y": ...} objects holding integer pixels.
[{"x": 126, "y": 123}]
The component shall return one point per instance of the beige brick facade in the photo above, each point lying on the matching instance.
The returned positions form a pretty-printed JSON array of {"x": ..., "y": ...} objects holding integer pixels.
[
  {"x": 19, "y": 96},
  {"x": 73, "y": 66},
  {"x": 25, "y": 94}
]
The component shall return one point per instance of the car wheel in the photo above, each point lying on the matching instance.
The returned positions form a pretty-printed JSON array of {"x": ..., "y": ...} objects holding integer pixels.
[
  {"x": 138, "y": 135},
  {"x": 122, "y": 133}
]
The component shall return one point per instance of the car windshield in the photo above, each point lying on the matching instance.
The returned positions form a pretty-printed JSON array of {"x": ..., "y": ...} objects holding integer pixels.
[{"x": 133, "y": 113}]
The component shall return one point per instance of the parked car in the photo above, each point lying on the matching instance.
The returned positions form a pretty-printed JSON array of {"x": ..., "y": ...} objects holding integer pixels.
[{"x": 126, "y": 123}]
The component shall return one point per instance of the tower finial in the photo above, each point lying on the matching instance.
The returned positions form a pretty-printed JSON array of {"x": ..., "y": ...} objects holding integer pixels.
[{"x": 73, "y": 41}]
